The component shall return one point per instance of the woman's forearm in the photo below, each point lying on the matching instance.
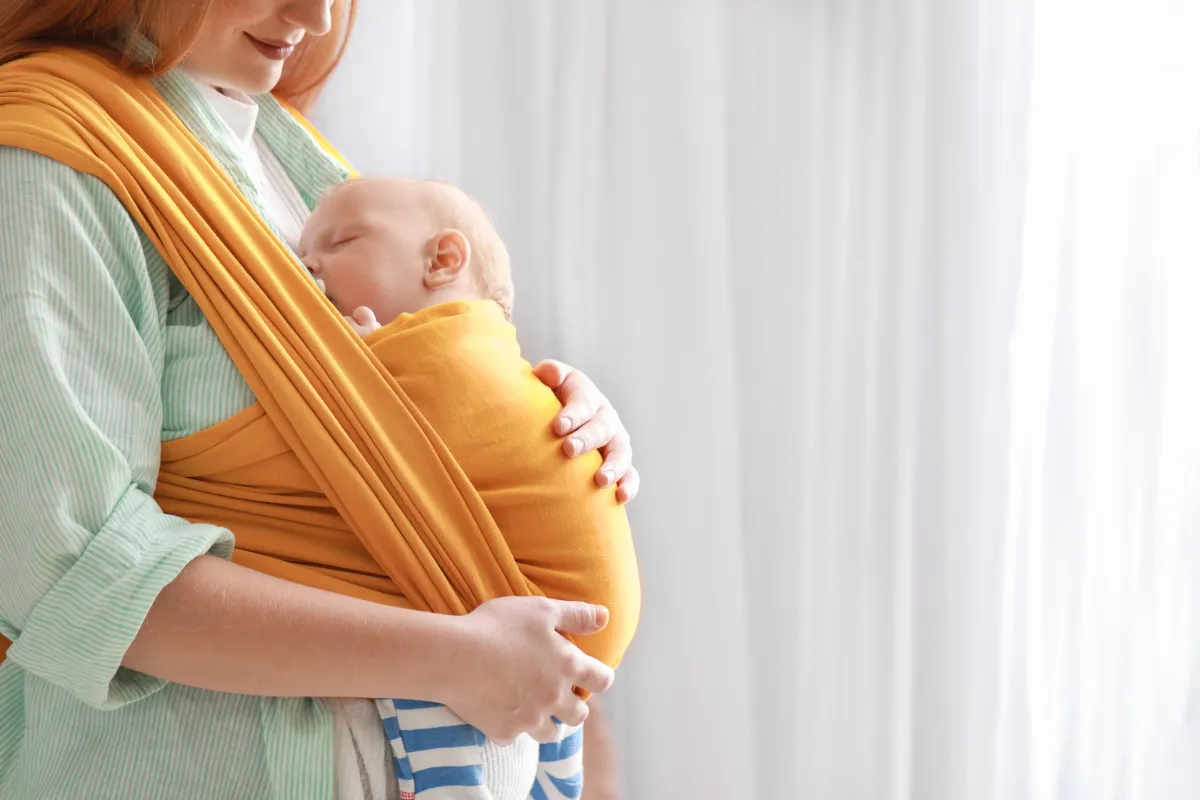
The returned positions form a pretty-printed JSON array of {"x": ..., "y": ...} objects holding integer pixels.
[{"x": 226, "y": 628}]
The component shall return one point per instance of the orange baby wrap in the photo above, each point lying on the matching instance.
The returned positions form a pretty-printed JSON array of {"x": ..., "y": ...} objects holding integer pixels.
[{"x": 461, "y": 366}]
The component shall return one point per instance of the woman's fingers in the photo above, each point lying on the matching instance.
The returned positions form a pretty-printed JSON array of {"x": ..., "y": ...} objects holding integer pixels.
[
  {"x": 545, "y": 732},
  {"x": 578, "y": 618},
  {"x": 583, "y": 619},
  {"x": 593, "y": 676},
  {"x": 590, "y": 423},
  {"x": 618, "y": 461},
  {"x": 601, "y": 430},
  {"x": 573, "y": 713},
  {"x": 552, "y": 373},
  {"x": 627, "y": 489},
  {"x": 579, "y": 396}
]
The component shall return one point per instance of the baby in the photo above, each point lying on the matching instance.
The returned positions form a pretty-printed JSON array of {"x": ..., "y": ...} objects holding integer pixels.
[
  {"x": 382, "y": 247},
  {"x": 397, "y": 258}
]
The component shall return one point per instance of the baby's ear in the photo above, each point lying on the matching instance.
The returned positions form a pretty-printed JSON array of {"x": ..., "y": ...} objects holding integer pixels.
[{"x": 451, "y": 253}]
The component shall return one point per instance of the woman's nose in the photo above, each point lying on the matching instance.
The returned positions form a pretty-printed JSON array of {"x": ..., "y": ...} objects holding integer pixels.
[{"x": 314, "y": 16}]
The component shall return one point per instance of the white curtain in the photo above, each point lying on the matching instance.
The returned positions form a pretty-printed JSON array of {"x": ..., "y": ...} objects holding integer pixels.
[
  {"x": 1102, "y": 630},
  {"x": 790, "y": 239}
]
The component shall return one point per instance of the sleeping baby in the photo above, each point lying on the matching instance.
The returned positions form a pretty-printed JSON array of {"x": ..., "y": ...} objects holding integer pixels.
[{"x": 419, "y": 272}]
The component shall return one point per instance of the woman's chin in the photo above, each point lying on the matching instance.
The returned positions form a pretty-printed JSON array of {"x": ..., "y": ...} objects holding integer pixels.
[
  {"x": 260, "y": 80},
  {"x": 257, "y": 77}
]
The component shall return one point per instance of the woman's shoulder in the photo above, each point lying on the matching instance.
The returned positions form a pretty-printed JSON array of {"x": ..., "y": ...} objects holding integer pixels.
[
  {"x": 59, "y": 222},
  {"x": 23, "y": 171},
  {"x": 36, "y": 190}
]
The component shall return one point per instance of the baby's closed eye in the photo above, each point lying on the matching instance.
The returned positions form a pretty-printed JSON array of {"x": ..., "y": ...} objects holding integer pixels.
[{"x": 343, "y": 235}]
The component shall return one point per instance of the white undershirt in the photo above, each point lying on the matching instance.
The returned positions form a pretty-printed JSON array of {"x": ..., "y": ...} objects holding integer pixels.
[
  {"x": 285, "y": 208},
  {"x": 362, "y": 757}
]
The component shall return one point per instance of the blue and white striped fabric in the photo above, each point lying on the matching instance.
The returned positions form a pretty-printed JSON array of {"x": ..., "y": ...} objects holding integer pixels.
[
  {"x": 440, "y": 757},
  {"x": 560, "y": 767}
]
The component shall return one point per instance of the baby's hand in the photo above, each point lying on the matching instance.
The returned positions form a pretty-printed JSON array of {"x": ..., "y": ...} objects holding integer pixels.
[{"x": 363, "y": 321}]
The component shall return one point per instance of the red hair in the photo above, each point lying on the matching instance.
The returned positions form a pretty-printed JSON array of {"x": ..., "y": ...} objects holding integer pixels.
[{"x": 29, "y": 26}]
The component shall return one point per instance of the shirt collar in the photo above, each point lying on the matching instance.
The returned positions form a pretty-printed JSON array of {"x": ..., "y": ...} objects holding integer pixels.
[{"x": 238, "y": 111}]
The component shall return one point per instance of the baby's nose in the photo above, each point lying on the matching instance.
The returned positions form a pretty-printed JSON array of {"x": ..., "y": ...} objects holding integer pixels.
[{"x": 311, "y": 265}]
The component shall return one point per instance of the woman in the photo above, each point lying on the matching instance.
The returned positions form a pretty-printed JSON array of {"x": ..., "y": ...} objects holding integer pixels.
[{"x": 144, "y": 663}]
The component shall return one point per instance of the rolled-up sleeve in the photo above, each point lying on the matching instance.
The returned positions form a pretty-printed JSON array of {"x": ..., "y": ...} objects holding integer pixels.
[{"x": 84, "y": 549}]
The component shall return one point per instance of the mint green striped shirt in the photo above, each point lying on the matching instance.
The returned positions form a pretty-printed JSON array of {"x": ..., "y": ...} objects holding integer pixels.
[{"x": 102, "y": 356}]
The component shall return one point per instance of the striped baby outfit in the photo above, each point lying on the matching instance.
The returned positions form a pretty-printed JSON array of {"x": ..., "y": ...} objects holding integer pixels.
[{"x": 440, "y": 757}]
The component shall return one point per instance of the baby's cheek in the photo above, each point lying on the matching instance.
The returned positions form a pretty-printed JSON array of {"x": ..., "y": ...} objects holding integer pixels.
[
  {"x": 348, "y": 292},
  {"x": 331, "y": 292}
]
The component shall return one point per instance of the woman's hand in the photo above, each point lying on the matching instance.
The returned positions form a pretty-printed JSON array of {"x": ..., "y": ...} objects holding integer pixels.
[
  {"x": 516, "y": 671},
  {"x": 592, "y": 424}
]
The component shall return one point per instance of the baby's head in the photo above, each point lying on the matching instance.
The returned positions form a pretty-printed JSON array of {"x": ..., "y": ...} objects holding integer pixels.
[{"x": 398, "y": 246}]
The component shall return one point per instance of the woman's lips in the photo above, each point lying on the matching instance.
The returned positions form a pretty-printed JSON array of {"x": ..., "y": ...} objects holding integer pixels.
[{"x": 272, "y": 49}]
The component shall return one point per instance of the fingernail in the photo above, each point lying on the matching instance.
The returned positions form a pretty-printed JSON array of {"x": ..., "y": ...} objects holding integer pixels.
[
  {"x": 576, "y": 445},
  {"x": 564, "y": 425},
  {"x": 607, "y": 476}
]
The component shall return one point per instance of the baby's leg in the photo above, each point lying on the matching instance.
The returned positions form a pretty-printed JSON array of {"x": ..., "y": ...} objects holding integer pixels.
[
  {"x": 560, "y": 766},
  {"x": 437, "y": 755}
]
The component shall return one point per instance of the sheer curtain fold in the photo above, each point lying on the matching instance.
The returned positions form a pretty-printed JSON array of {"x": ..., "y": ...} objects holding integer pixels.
[{"x": 915, "y": 425}]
